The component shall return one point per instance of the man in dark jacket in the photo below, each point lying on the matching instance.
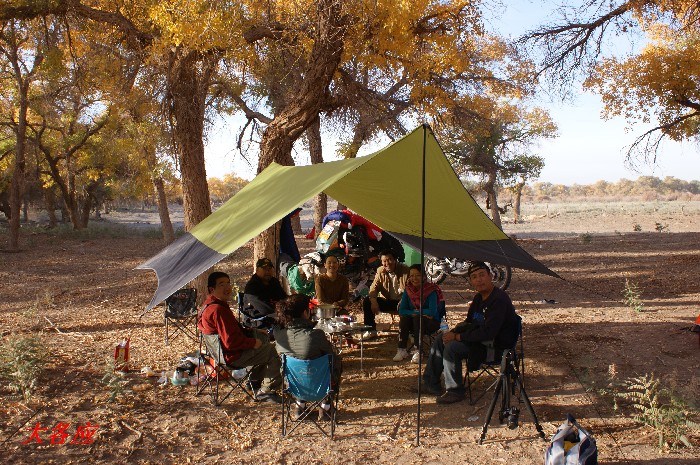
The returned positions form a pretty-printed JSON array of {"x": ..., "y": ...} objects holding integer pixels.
[
  {"x": 491, "y": 317},
  {"x": 262, "y": 291},
  {"x": 241, "y": 347}
]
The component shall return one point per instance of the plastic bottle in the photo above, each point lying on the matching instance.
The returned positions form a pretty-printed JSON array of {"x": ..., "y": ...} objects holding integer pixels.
[
  {"x": 239, "y": 374},
  {"x": 444, "y": 327}
]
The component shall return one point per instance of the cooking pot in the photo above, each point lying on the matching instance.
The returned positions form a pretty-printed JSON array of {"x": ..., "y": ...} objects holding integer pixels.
[{"x": 325, "y": 311}]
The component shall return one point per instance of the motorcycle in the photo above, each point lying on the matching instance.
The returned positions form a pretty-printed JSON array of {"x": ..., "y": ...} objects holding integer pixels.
[
  {"x": 357, "y": 244},
  {"x": 437, "y": 270}
]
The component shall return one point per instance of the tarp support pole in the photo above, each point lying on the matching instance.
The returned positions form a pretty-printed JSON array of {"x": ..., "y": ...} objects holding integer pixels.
[{"x": 422, "y": 267}]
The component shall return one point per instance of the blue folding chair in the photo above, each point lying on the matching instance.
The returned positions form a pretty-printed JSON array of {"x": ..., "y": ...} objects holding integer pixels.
[{"x": 308, "y": 381}]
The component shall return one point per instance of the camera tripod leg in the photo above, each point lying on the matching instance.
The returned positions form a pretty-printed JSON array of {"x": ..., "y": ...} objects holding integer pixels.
[
  {"x": 529, "y": 407},
  {"x": 496, "y": 393}
]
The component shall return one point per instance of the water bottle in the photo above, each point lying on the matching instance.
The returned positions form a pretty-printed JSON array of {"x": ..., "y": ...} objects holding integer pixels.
[
  {"x": 444, "y": 327},
  {"x": 240, "y": 373}
]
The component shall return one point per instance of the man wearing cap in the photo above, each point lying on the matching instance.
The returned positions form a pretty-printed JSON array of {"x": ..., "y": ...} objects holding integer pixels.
[
  {"x": 491, "y": 317},
  {"x": 263, "y": 290}
]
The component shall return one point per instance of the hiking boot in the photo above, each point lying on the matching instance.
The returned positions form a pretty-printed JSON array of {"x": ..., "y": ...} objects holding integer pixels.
[
  {"x": 400, "y": 355},
  {"x": 253, "y": 385},
  {"x": 268, "y": 396},
  {"x": 450, "y": 397},
  {"x": 427, "y": 389},
  {"x": 369, "y": 335}
]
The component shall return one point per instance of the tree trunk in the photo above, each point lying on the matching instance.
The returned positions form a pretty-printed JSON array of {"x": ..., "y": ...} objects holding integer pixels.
[
  {"x": 305, "y": 104},
  {"x": 25, "y": 209},
  {"x": 50, "y": 199},
  {"x": 518, "y": 191},
  {"x": 166, "y": 225},
  {"x": 17, "y": 183},
  {"x": 320, "y": 211},
  {"x": 85, "y": 210},
  {"x": 189, "y": 80},
  {"x": 490, "y": 189},
  {"x": 313, "y": 135}
]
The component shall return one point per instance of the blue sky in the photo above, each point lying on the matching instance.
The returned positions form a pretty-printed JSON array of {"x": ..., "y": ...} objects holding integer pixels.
[{"x": 587, "y": 150}]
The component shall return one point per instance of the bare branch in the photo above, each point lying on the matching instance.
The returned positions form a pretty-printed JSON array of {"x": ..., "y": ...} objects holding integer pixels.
[
  {"x": 647, "y": 146},
  {"x": 575, "y": 45}
]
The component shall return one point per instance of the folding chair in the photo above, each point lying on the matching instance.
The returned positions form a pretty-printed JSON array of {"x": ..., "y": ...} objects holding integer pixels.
[
  {"x": 218, "y": 377},
  {"x": 490, "y": 367},
  {"x": 180, "y": 315},
  {"x": 247, "y": 318},
  {"x": 308, "y": 381}
]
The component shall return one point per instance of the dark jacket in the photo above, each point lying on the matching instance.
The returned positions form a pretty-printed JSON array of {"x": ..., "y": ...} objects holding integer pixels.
[
  {"x": 493, "y": 319},
  {"x": 261, "y": 297},
  {"x": 301, "y": 340}
]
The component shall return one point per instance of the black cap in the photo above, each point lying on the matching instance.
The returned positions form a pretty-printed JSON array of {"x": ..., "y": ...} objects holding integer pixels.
[
  {"x": 263, "y": 262},
  {"x": 473, "y": 266}
]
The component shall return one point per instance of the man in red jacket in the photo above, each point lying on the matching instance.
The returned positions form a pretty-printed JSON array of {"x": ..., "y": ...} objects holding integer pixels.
[{"x": 241, "y": 346}]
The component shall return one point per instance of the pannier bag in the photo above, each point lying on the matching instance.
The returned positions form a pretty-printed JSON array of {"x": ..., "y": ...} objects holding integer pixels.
[{"x": 571, "y": 445}]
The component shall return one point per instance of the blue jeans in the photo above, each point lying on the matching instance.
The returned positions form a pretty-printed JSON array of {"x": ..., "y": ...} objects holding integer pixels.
[{"x": 446, "y": 359}]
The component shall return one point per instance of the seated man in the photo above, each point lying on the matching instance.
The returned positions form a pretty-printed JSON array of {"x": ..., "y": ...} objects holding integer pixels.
[
  {"x": 296, "y": 337},
  {"x": 262, "y": 291},
  {"x": 491, "y": 316},
  {"x": 241, "y": 347},
  {"x": 390, "y": 282}
]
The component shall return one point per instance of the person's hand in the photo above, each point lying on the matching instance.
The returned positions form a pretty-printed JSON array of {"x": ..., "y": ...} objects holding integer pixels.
[
  {"x": 375, "y": 306},
  {"x": 258, "y": 344},
  {"x": 448, "y": 336}
]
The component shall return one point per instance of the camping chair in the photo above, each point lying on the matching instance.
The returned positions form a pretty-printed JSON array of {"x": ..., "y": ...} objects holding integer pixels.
[
  {"x": 218, "y": 377},
  {"x": 181, "y": 315},
  {"x": 248, "y": 319},
  {"x": 310, "y": 381},
  {"x": 490, "y": 367}
]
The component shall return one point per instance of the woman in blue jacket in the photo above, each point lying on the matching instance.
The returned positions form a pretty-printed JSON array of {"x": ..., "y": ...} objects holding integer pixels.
[{"x": 409, "y": 319}]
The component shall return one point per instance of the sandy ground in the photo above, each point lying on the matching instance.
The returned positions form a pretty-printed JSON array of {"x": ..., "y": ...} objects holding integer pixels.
[{"x": 80, "y": 295}]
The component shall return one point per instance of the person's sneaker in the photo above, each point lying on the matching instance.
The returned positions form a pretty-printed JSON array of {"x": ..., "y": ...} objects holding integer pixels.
[
  {"x": 268, "y": 396},
  {"x": 450, "y": 397},
  {"x": 298, "y": 411},
  {"x": 400, "y": 355},
  {"x": 325, "y": 415},
  {"x": 369, "y": 335},
  {"x": 414, "y": 359}
]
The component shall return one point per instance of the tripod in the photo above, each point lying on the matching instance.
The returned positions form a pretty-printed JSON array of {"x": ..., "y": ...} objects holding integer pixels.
[{"x": 509, "y": 382}]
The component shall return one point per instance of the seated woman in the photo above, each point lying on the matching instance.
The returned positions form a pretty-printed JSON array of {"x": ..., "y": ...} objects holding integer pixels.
[
  {"x": 332, "y": 288},
  {"x": 296, "y": 336},
  {"x": 409, "y": 319}
]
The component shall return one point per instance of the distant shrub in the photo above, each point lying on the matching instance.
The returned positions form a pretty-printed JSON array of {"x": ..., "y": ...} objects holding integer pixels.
[
  {"x": 633, "y": 296},
  {"x": 661, "y": 227},
  {"x": 586, "y": 237},
  {"x": 637, "y": 227}
]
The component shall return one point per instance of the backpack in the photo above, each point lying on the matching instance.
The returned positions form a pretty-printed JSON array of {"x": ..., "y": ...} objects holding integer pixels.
[{"x": 571, "y": 445}]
